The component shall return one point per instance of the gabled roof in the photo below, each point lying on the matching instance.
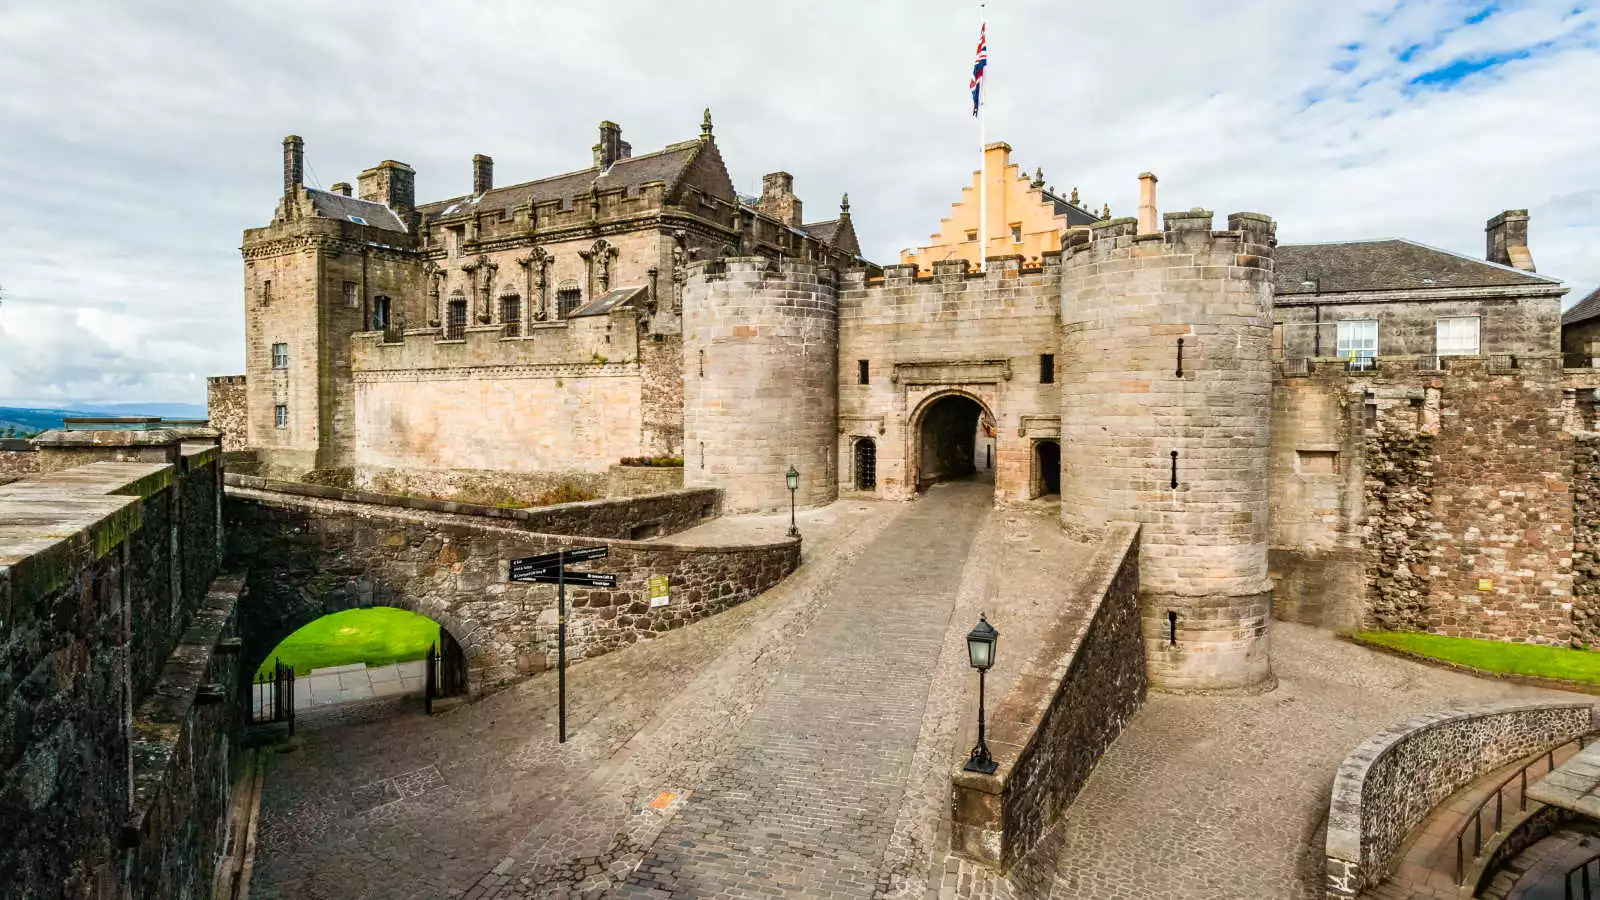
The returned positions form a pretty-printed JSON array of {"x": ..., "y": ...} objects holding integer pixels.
[
  {"x": 666, "y": 166},
  {"x": 1393, "y": 264},
  {"x": 329, "y": 205},
  {"x": 838, "y": 233},
  {"x": 1583, "y": 310},
  {"x": 822, "y": 231}
]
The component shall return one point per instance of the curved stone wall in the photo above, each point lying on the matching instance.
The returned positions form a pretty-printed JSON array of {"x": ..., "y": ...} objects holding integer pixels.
[
  {"x": 761, "y": 382},
  {"x": 1397, "y": 776},
  {"x": 1178, "y": 444}
]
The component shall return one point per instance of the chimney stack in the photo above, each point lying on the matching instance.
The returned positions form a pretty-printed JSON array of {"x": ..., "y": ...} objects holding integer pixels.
[
  {"x": 778, "y": 199},
  {"x": 391, "y": 183},
  {"x": 1147, "y": 203},
  {"x": 342, "y": 188},
  {"x": 1507, "y": 240},
  {"x": 482, "y": 174},
  {"x": 611, "y": 147},
  {"x": 294, "y": 164}
]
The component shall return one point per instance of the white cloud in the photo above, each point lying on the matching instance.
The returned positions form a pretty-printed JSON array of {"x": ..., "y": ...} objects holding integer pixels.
[{"x": 141, "y": 139}]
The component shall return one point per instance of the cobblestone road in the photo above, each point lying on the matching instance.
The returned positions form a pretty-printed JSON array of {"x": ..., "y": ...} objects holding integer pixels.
[{"x": 804, "y": 801}]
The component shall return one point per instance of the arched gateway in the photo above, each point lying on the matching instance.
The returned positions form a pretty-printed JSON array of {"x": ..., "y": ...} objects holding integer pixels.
[{"x": 945, "y": 437}]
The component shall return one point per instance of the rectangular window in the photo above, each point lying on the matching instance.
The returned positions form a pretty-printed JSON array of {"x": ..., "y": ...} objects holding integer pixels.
[
  {"x": 972, "y": 235},
  {"x": 1047, "y": 368},
  {"x": 863, "y": 371},
  {"x": 455, "y": 325},
  {"x": 351, "y": 298},
  {"x": 380, "y": 313},
  {"x": 511, "y": 315},
  {"x": 280, "y": 416},
  {"x": 280, "y": 356},
  {"x": 1016, "y": 234},
  {"x": 1358, "y": 339},
  {"x": 1456, "y": 336},
  {"x": 568, "y": 301},
  {"x": 266, "y": 292}
]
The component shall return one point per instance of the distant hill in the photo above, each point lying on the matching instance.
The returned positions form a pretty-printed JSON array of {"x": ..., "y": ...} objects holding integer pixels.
[{"x": 27, "y": 420}]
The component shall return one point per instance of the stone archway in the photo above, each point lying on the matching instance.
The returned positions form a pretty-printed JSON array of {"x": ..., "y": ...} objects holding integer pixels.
[{"x": 944, "y": 437}]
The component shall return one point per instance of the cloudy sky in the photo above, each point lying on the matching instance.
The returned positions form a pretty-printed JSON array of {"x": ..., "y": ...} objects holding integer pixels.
[{"x": 138, "y": 139}]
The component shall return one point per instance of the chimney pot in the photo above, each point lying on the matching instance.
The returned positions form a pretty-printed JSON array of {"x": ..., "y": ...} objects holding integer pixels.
[
  {"x": 609, "y": 150},
  {"x": 482, "y": 174},
  {"x": 341, "y": 188}
]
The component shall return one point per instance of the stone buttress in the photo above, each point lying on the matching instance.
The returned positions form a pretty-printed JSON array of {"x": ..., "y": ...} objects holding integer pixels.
[
  {"x": 761, "y": 385},
  {"x": 1166, "y": 404}
]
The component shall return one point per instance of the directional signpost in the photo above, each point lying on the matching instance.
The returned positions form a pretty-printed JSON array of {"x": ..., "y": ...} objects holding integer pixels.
[{"x": 551, "y": 568}]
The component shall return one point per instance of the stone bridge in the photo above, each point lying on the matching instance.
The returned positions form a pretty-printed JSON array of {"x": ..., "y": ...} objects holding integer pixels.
[{"x": 314, "y": 550}]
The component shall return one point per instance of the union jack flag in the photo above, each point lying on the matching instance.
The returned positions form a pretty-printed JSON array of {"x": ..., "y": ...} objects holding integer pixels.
[{"x": 979, "y": 65}]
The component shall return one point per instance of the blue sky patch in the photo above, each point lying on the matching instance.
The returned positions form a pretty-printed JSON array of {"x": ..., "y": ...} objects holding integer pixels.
[{"x": 1449, "y": 74}]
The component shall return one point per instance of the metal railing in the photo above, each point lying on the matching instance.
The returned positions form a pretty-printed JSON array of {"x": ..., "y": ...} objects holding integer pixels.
[
  {"x": 1586, "y": 884},
  {"x": 1431, "y": 363},
  {"x": 455, "y": 331},
  {"x": 1361, "y": 364},
  {"x": 1298, "y": 365},
  {"x": 1475, "y": 820},
  {"x": 272, "y": 696},
  {"x": 1502, "y": 362}
]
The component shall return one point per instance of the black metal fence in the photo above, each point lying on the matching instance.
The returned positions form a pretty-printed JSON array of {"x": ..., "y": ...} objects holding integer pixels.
[
  {"x": 1585, "y": 883},
  {"x": 446, "y": 673},
  {"x": 272, "y": 696},
  {"x": 1475, "y": 820}
]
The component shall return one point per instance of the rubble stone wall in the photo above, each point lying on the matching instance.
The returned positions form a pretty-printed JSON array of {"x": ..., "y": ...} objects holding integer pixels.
[{"x": 1397, "y": 776}]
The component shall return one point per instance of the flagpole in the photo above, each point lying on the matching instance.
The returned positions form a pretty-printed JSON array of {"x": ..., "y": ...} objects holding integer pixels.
[{"x": 983, "y": 154}]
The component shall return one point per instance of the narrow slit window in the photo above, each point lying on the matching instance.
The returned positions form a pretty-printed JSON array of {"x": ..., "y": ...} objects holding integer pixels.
[
  {"x": 352, "y": 297},
  {"x": 1047, "y": 368},
  {"x": 863, "y": 372}
]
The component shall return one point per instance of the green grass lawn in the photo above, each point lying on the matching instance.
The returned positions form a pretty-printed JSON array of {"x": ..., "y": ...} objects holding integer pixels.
[
  {"x": 376, "y": 636},
  {"x": 1495, "y": 656}
]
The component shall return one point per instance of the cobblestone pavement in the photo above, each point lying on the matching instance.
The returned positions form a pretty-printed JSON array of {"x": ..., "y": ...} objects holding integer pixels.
[{"x": 1227, "y": 797}]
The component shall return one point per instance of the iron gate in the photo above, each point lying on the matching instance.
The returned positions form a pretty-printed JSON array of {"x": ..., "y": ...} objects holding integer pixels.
[
  {"x": 866, "y": 464},
  {"x": 272, "y": 696}
]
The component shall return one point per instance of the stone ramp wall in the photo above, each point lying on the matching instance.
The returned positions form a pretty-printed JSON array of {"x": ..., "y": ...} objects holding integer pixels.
[
  {"x": 1071, "y": 701},
  {"x": 102, "y": 651},
  {"x": 314, "y": 556},
  {"x": 1396, "y": 777}
]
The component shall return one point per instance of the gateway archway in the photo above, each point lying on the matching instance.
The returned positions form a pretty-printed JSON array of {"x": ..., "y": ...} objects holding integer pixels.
[{"x": 949, "y": 438}]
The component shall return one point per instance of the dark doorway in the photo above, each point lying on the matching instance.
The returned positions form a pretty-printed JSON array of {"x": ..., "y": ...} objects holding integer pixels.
[
  {"x": 1047, "y": 467},
  {"x": 947, "y": 443},
  {"x": 866, "y": 464}
]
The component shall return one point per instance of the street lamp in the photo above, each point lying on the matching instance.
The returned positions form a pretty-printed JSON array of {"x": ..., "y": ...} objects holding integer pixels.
[
  {"x": 793, "y": 479},
  {"x": 980, "y": 652}
]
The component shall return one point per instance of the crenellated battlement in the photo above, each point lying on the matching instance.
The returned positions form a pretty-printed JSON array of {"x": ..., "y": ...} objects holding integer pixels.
[
  {"x": 1250, "y": 235},
  {"x": 754, "y": 269}
]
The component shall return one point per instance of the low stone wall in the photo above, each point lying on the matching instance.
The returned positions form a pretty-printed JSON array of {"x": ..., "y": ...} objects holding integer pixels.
[
  {"x": 480, "y": 486},
  {"x": 626, "y": 518},
  {"x": 17, "y": 458},
  {"x": 1396, "y": 777},
  {"x": 1072, "y": 699},
  {"x": 632, "y": 481},
  {"x": 1586, "y": 538},
  {"x": 317, "y": 555}
]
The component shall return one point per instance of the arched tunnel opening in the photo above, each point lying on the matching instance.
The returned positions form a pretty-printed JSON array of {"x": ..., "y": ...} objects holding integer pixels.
[
  {"x": 949, "y": 439},
  {"x": 353, "y": 656}
]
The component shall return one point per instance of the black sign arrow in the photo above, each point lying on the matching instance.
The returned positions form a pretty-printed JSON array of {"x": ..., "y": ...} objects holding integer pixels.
[
  {"x": 582, "y": 554},
  {"x": 573, "y": 579}
]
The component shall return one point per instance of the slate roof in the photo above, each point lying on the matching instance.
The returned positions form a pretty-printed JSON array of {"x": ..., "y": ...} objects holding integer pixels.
[
  {"x": 1075, "y": 216},
  {"x": 664, "y": 165},
  {"x": 1387, "y": 265},
  {"x": 822, "y": 231},
  {"x": 329, "y": 205},
  {"x": 1583, "y": 310},
  {"x": 606, "y": 302}
]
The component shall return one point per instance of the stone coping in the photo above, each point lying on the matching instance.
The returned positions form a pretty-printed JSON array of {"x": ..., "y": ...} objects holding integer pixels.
[
  {"x": 1345, "y": 808},
  {"x": 110, "y": 437},
  {"x": 468, "y": 516},
  {"x": 51, "y": 525},
  {"x": 159, "y": 722}
]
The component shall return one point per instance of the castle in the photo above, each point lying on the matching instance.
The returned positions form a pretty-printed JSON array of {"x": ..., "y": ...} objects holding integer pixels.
[{"x": 1367, "y": 432}]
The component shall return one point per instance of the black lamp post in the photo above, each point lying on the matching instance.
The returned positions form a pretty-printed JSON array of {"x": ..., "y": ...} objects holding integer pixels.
[
  {"x": 793, "y": 478},
  {"x": 980, "y": 652}
]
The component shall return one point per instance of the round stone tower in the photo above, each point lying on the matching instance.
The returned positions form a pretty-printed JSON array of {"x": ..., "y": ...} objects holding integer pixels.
[
  {"x": 1166, "y": 385},
  {"x": 761, "y": 382}
]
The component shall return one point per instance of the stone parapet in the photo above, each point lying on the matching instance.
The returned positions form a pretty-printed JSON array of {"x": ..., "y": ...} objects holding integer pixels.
[
  {"x": 1070, "y": 702},
  {"x": 1397, "y": 776}
]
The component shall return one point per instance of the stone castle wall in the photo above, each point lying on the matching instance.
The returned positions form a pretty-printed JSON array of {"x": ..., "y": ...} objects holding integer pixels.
[
  {"x": 228, "y": 408},
  {"x": 563, "y": 397},
  {"x": 761, "y": 382},
  {"x": 980, "y": 335},
  {"x": 1442, "y": 501},
  {"x": 1133, "y": 423},
  {"x": 116, "y": 772}
]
